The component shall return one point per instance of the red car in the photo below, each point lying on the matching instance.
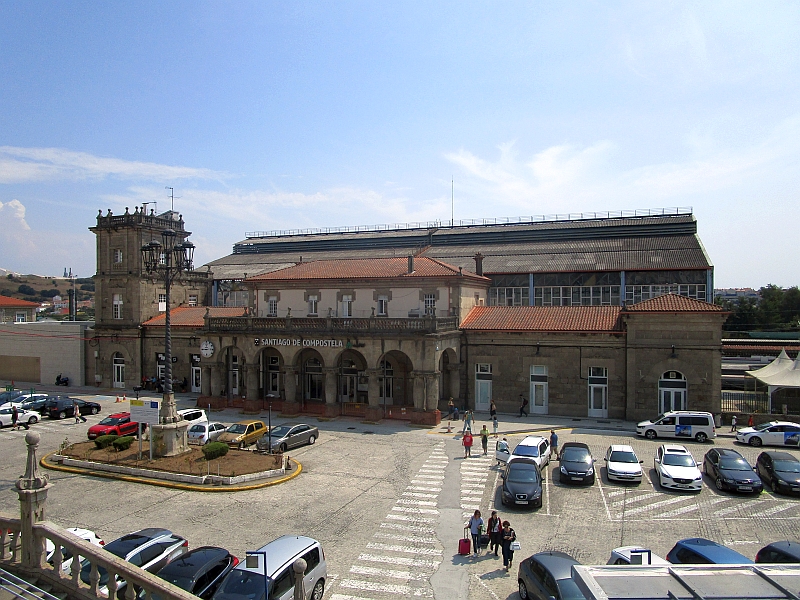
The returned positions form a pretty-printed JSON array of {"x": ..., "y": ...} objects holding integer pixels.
[{"x": 116, "y": 424}]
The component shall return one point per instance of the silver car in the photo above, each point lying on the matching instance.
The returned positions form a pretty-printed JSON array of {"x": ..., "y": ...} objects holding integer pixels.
[
  {"x": 204, "y": 432},
  {"x": 287, "y": 436}
]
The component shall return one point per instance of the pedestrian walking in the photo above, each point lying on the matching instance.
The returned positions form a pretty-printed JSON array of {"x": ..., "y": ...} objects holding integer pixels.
[
  {"x": 467, "y": 441},
  {"x": 494, "y": 425},
  {"x": 485, "y": 440},
  {"x": 750, "y": 421},
  {"x": 733, "y": 423},
  {"x": 475, "y": 525},
  {"x": 467, "y": 421},
  {"x": 493, "y": 528},
  {"x": 14, "y": 417},
  {"x": 76, "y": 409},
  {"x": 523, "y": 406},
  {"x": 554, "y": 442},
  {"x": 450, "y": 407},
  {"x": 493, "y": 409},
  {"x": 508, "y": 537},
  {"x": 455, "y": 413}
]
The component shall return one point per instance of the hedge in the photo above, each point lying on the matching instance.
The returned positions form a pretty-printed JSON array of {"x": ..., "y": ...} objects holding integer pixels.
[
  {"x": 214, "y": 450},
  {"x": 123, "y": 443},
  {"x": 104, "y": 441}
]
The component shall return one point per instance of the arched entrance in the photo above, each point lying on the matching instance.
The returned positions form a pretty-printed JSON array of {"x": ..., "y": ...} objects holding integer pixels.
[
  {"x": 233, "y": 372},
  {"x": 672, "y": 388},
  {"x": 352, "y": 378},
  {"x": 118, "y": 366},
  {"x": 394, "y": 380},
  {"x": 448, "y": 375},
  {"x": 270, "y": 364},
  {"x": 312, "y": 382}
]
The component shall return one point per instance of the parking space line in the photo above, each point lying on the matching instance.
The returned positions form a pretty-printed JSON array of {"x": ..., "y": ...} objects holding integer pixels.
[
  {"x": 546, "y": 482},
  {"x": 772, "y": 511},
  {"x": 603, "y": 495},
  {"x": 641, "y": 509}
]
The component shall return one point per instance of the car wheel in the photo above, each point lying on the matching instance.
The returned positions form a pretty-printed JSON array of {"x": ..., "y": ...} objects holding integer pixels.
[
  {"x": 755, "y": 441},
  {"x": 241, "y": 445},
  {"x": 523, "y": 591},
  {"x": 32, "y": 420},
  {"x": 719, "y": 484},
  {"x": 319, "y": 590},
  {"x": 311, "y": 440},
  {"x": 701, "y": 437},
  {"x": 62, "y": 415},
  {"x": 282, "y": 447},
  {"x": 95, "y": 410},
  {"x": 650, "y": 434}
]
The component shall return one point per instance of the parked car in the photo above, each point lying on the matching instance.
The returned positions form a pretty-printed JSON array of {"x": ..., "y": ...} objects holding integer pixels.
[
  {"x": 634, "y": 555},
  {"x": 534, "y": 447},
  {"x": 243, "y": 433},
  {"x": 204, "y": 432},
  {"x": 287, "y": 436},
  {"x": 116, "y": 424},
  {"x": 23, "y": 399},
  {"x": 522, "y": 484},
  {"x": 780, "y": 471},
  {"x": 246, "y": 581},
  {"x": 10, "y": 395},
  {"x": 193, "y": 415},
  {"x": 23, "y": 416},
  {"x": 779, "y": 552},
  {"x": 576, "y": 464},
  {"x": 679, "y": 424},
  {"x": 700, "y": 551},
  {"x": 199, "y": 571},
  {"x": 63, "y": 407},
  {"x": 36, "y": 404},
  {"x": 66, "y": 555},
  {"x": 730, "y": 471},
  {"x": 149, "y": 549},
  {"x": 622, "y": 464},
  {"x": 548, "y": 575},
  {"x": 676, "y": 468},
  {"x": 774, "y": 433}
]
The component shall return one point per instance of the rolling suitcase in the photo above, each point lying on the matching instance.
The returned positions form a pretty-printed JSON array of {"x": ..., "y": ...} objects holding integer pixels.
[{"x": 464, "y": 543}]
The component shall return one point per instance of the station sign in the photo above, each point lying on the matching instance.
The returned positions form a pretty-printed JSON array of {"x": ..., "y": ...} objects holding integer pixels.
[
  {"x": 305, "y": 343},
  {"x": 145, "y": 411}
]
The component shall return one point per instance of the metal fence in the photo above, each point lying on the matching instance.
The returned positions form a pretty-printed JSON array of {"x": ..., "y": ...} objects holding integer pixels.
[{"x": 745, "y": 402}]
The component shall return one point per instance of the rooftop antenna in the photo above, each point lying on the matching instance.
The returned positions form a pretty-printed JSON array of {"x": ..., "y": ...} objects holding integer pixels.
[
  {"x": 452, "y": 201},
  {"x": 171, "y": 197}
]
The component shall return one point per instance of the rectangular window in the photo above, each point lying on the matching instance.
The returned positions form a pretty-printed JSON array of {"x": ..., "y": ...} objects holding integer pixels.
[
  {"x": 347, "y": 305},
  {"x": 117, "y": 256},
  {"x": 20, "y": 318},
  {"x": 430, "y": 304},
  {"x": 162, "y": 302},
  {"x": 116, "y": 306},
  {"x": 312, "y": 305},
  {"x": 192, "y": 299},
  {"x": 272, "y": 306},
  {"x": 383, "y": 306}
]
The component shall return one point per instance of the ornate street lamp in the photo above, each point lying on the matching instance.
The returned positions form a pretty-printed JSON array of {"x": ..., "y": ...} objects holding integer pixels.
[{"x": 168, "y": 260}]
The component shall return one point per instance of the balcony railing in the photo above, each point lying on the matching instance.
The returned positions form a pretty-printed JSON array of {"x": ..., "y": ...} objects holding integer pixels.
[{"x": 341, "y": 325}]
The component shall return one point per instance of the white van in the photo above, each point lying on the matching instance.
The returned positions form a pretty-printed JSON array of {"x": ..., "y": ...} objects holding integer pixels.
[
  {"x": 680, "y": 424},
  {"x": 246, "y": 581}
]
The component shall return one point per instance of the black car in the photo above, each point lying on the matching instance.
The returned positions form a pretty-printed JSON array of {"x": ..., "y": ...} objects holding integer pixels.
[
  {"x": 779, "y": 552},
  {"x": 730, "y": 471},
  {"x": 199, "y": 571},
  {"x": 577, "y": 464},
  {"x": 37, "y": 405},
  {"x": 548, "y": 575},
  {"x": 63, "y": 407},
  {"x": 522, "y": 484},
  {"x": 780, "y": 471}
]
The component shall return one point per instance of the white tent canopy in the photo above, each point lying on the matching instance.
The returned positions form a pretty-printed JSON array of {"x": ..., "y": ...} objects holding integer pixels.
[
  {"x": 783, "y": 372},
  {"x": 781, "y": 363}
]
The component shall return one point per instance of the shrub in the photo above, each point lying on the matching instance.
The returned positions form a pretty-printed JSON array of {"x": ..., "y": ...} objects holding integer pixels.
[
  {"x": 104, "y": 441},
  {"x": 26, "y": 289},
  {"x": 214, "y": 450},
  {"x": 123, "y": 443}
]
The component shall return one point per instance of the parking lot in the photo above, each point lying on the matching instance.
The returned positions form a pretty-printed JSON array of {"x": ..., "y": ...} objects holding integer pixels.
[{"x": 388, "y": 503}]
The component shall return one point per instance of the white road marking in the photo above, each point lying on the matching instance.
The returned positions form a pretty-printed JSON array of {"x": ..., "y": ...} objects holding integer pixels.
[
  {"x": 404, "y": 527},
  {"x": 424, "y": 482},
  {"x": 483, "y": 583},
  {"x": 412, "y": 519},
  {"x": 416, "y": 511},
  {"x": 616, "y": 493},
  {"x": 405, "y": 549},
  {"x": 678, "y": 511},
  {"x": 727, "y": 511},
  {"x": 773, "y": 510},
  {"x": 641, "y": 509},
  {"x": 370, "y": 586},
  {"x": 424, "y": 489},
  {"x": 346, "y": 597},
  {"x": 434, "y": 477},
  {"x": 602, "y": 495},
  {"x": 400, "y": 560},
  {"x": 635, "y": 499},
  {"x": 491, "y": 502},
  {"x": 416, "y": 502},
  {"x": 416, "y": 495},
  {"x": 375, "y": 572},
  {"x": 414, "y": 539}
]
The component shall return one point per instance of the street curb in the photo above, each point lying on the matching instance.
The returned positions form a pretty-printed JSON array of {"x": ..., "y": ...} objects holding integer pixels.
[
  {"x": 168, "y": 484},
  {"x": 539, "y": 429}
]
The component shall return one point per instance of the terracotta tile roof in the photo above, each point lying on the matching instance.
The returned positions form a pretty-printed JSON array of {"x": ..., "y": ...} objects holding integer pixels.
[
  {"x": 673, "y": 303},
  {"x": 544, "y": 318},
  {"x": 192, "y": 316},
  {"x": 6, "y": 302},
  {"x": 365, "y": 268}
]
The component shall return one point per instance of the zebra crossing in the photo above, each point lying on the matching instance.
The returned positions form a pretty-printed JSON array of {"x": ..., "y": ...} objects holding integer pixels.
[
  {"x": 474, "y": 476},
  {"x": 405, "y": 551},
  {"x": 643, "y": 504}
]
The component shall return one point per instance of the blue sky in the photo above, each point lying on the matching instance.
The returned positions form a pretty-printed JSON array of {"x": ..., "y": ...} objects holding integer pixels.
[{"x": 267, "y": 116}]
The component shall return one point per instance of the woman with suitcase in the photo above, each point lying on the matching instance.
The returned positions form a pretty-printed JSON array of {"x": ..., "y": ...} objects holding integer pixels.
[{"x": 475, "y": 525}]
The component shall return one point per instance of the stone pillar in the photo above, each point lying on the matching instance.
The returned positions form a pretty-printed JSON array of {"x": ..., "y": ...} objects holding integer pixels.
[
  {"x": 454, "y": 373},
  {"x": 374, "y": 411},
  {"x": 331, "y": 387},
  {"x": 418, "y": 393},
  {"x": 216, "y": 380},
  {"x": 32, "y": 491},
  {"x": 251, "y": 378},
  {"x": 432, "y": 389},
  {"x": 290, "y": 404},
  {"x": 205, "y": 381}
]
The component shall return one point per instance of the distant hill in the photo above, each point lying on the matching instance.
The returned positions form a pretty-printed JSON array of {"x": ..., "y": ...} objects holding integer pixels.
[{"x": 36, "y": 288}]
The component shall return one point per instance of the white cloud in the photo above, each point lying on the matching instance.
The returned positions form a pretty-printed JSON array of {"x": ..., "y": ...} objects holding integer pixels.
[{"x": 19, "y": 165}]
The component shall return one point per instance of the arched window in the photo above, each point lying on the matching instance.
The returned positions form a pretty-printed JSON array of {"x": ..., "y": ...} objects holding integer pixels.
[{"x": 672, "y": 391}]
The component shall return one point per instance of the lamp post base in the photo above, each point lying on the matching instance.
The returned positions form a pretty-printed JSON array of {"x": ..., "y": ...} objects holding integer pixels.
[{"x": 169, "y": 439}]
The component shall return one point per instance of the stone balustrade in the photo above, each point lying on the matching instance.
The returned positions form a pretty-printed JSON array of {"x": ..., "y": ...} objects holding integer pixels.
[{"x": 340, "y": 325}]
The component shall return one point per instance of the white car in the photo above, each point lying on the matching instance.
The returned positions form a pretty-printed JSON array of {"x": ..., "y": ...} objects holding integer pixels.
[
  {"x": 204, "y": 432},
  {"x": 193, "y": 415},
  {"x": 622, "y": 464},
  {"x": 24, "y": 417},
  {"x": 634, "y": 555},
  {"x": 677, "y": 469},
  {"x": 66, "y": 559},
  {"x": 534, "y": 447},
  {"x": 775, "y": 433}
]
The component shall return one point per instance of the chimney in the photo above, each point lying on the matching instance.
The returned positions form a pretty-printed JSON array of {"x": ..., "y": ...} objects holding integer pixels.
[
  {"x": 479, "y": 264},
  {"x": 410, "y": 263}
]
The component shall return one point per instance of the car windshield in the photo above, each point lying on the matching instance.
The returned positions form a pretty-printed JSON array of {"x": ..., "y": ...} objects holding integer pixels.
[
  {"x": 523, "y": 473},
  {"x": 787, "y": 466},
  {"x": 734, "y": 464},
  {"x": 679, "y": 460},
  {"x": 279, "y": 432},
  {"x": 198, "y": 428},
  {"x": 524, "y": 450},
  {"x": 576, "y": 455},
  {"x": 237, "y": 428},
  {"x": 763, "y": 426},
  {"x": 241, "y": 585},
  {"x": 569, "y": 590},
  {"x": 110, "y": 421},
  {"x": 623, "y": 457}
]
